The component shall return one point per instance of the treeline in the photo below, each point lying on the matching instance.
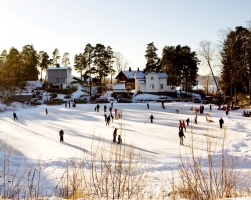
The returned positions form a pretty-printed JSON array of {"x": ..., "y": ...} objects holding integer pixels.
[{"x": 179, "y": 63}]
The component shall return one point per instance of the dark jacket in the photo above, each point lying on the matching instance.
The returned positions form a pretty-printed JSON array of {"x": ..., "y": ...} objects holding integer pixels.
[
  {"x": 181, "y": 133},
  {"x": 61, "y": 133}
]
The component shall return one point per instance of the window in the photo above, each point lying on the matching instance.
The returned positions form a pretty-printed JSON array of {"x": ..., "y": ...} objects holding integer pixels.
[
  {"x": 60, "y": 71},
  {"x": 152, "y": 77},
  {"x": 152, "y": 87},
  {"x": 161, "y": 86}
]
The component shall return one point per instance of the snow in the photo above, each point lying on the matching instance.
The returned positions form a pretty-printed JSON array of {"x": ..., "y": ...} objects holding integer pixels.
[{"x": 35, "y": 136}]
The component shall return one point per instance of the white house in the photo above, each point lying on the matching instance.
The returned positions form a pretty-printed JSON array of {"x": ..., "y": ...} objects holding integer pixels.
[{"x": 152, "y": 82}]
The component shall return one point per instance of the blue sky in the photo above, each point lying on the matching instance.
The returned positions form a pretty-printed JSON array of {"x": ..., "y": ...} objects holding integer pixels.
[{"x": 127, "y": 26}]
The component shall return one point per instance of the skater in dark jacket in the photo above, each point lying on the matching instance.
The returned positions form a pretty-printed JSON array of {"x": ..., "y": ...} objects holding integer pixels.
[
  {"x": 119, "y": 140},
  {"x": 221, "y": 121},
  {"x": 98, "y": 107},
  {"x": 105, "y": 117},
  {"x": 104, "y": 108},
  {"x": 181, "y": 135},
  {"x": 147, "y": 106},
  {"x": 61, "y": 134},
  {"x": 46, "y": 111},
  {"x": 15, "y": 116},
  {"x": 188, "y": 120},
  {"x": 151, "y": 117},
  {"x": 108, "y": 119},
  {"x": 115, "y": 135}
]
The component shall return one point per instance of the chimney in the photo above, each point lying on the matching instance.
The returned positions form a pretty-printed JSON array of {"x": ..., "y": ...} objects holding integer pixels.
[{"x": 130, "y": 69}]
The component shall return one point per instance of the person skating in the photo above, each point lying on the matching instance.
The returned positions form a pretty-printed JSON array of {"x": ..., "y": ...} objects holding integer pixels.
[
  {"x": 151, "y": 117},
  {"x": 195, "y": 119},
  {"x": 115, "y": 111},
  {"x": 105, "y": 117},
  {"x": 115, "y": 135},
  {"x": 105, "y": 108},
  {"x": 221, "y": 121},
  {"x": 98, "y": 106},
  {"x": 188, "y": 120},
  {"x": 147, "y": 106},
  {"x": 184, "y": 125},
  {"x": 108, "y": 119},
  {"x": 210, "y": 107},
  {"x": 110, "y": 109},
  {"x": 46, "y": 111},
  {"x": 119, "y": 140},
  {"x": 181, "y": 135},
  {"x": 15, "y": 116},
  {"x": 180, "y": 125},
  {"x": 61, "y": 134}
]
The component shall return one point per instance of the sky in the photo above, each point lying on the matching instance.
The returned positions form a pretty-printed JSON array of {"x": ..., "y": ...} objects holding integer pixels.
[
  {"x": 127, "y": 26},
  {"x": 35, "y": 137}
]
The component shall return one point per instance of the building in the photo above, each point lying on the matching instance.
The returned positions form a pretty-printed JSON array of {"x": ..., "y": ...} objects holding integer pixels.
[
  {"x": 59, "y": 76},
  {"x": 147, "y": 82}
]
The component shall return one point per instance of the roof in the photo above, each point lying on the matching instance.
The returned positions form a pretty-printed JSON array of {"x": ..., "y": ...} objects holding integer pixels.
[
  {"x": 159, "y": 74},
  {"x": 139, "y": 75},
  {"x": 58, "y": 68},
  {"x": 129, "y": 74}
]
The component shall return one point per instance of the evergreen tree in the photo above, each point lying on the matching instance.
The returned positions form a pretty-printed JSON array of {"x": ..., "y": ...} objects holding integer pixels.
[
  {"x": 153, "y": 62},
  {"x": 89, "y": 54},
  {"x": 81, "y": 63},
  {"x": 29, "y": 63},
  {"x": 65, "y": 59},
  {"x": 44, "y": 61},
  {"x": 55, "y": 57}
]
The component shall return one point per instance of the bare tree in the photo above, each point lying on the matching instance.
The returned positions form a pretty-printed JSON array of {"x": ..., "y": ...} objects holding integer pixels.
[
  {"x": 120, "y": 62},
  {"x": 207, "y": 54}
]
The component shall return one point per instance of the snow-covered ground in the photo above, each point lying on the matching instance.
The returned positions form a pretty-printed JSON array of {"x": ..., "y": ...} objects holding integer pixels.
[{"x": 35, "y": 136}]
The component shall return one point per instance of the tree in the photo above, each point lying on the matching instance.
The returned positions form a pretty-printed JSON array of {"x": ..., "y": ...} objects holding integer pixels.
[
  {"x": 29, "y": 62},
  {"x": 55, "y": 57},
  {"x": 89, "y": 54},
  {"x": 65, "y": 59},
  {"x": 207, "y": 53},
  {"x": 44, "y": 61},
  {"x": 109, "y": 59},
  {"x": 120, "y": 62},
  {"x": 101, "y": 59},
  {"x": 180, "y": 65},
  {"x": 236, "y": 61},
  {"x": 153, "y": 62},
  {"x": 81, "y": 63}
]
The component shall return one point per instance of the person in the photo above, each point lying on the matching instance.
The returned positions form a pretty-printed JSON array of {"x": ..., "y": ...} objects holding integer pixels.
[
  {"x": 195, "y": 119},
  {"x": 69, "y": 103},
  {"x": 61, "y": 134},
  {"x": 151, "y": 117},
  {"x": 180, "y": 125},
  {"x": 46, "y": 111},
  {"x": 227, "y": 109},
  {"x": 105, "y": 117},
  {"x": 115, "y": 135},
  {"x": 98, "y": 107},
  {"x": 221, "y": 121},
  {"x": 15, "y": 116},
  {"x": 65, "y": 104},
  {"x": 115, "y": 111},
  {"x": 119, "y": 140},
  {"x": 110, "y": 109},
  {"x": 202, "y": 109},
  {"x": 147, "y": 106},
  {"x": 112, "y": 117},
  {"x": 108, "y": 119},
  {"x": 184, "y": 125},
  {"x": 112, "y": 104},
  {"x": 105, "y": 108},
  {"x": 181, "y": 135},
  {"x": 210, "y": 107},
  {"x": 163, "y": 106},
  {"x": 188, "y": 120}
]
